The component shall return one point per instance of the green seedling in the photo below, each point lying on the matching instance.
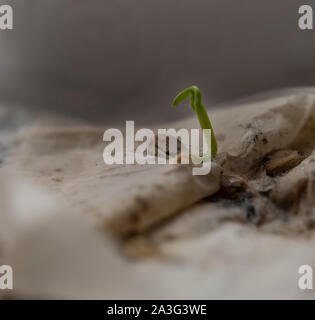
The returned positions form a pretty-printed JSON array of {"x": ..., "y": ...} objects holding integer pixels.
[{"x": 198, "y": 107}]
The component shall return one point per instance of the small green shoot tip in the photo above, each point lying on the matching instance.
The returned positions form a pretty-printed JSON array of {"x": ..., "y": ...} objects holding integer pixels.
[{"x": 197, "y": 106}]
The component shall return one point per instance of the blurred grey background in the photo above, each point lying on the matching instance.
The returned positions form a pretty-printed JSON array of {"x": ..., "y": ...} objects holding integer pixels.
[{"x": 116, "y": 60}]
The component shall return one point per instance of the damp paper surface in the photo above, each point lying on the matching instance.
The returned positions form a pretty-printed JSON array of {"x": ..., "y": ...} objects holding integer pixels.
[{"x": 74, "y": 227}]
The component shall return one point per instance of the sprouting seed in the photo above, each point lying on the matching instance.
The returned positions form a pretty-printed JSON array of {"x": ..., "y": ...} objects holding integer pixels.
[{"x": 197, "y": 106}]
